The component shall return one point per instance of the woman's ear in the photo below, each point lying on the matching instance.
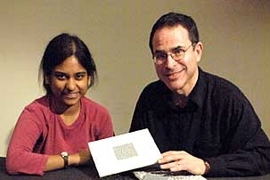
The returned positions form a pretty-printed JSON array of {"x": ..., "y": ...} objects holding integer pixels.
[
  {"x": 46, "y": 79},
  {"x": 89, "y": 81}
]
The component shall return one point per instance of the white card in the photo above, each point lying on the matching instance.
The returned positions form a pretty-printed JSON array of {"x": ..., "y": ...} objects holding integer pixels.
[{"x": 124, "y": 152}]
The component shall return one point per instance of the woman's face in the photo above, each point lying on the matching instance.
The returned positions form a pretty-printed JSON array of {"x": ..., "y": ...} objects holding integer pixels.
[{"x": 69, "y": 82}]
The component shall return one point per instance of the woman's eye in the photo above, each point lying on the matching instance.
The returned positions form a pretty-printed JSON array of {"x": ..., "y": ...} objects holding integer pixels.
[
  {"x": 80, "y": 76},
  {"x": 61, "y": 77}
]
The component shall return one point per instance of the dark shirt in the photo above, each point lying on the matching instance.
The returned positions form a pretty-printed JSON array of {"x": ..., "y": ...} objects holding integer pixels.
[{"x": 218, "y": 124}]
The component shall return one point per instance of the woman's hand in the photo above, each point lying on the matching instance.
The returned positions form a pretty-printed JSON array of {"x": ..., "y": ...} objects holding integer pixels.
[
  {"x": 181, "y": 160},
  {"x": 80, "y": 158}
]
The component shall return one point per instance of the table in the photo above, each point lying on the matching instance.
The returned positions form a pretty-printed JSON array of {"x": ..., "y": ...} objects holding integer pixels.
[{"x": 88, "y": 173}]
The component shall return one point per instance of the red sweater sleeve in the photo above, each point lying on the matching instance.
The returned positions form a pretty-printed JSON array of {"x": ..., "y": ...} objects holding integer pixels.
[{"x": 20, "y": 156}]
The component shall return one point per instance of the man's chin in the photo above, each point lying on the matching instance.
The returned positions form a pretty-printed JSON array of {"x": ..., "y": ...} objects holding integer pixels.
[{"x": 174, "y": 86}]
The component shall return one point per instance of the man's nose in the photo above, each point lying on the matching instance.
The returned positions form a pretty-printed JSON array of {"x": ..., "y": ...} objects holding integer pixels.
[{"x": 170, "y": 62}]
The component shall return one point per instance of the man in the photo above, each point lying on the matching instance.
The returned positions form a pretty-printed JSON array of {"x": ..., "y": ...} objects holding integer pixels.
[{"x": 201, "y": 123}]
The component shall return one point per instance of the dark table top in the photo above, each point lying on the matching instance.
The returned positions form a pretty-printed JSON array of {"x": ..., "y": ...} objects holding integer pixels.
[{"x": 88, "y": 173}]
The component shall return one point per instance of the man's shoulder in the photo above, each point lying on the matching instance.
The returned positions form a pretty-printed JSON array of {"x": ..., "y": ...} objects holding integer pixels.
[
  {"x": 218, "y": 82},
  {"x": 156, "y": 87},
  {"x": 220, "y": 86},
  {"x": 154, "y": 94}
]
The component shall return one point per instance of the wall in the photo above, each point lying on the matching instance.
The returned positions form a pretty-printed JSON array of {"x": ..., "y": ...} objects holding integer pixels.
[{"x": 235, "y": 35}]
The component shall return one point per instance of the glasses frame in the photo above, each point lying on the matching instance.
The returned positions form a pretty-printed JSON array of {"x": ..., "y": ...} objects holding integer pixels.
[{"x": 173, "y": 55}]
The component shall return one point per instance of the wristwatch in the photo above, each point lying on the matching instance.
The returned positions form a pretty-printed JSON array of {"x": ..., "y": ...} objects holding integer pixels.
[
  {"x": 207, "y": 167},
  {"x": 64, "y": 155}
]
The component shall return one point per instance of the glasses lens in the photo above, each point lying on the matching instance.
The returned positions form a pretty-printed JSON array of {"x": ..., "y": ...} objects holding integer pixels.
[{"x": 160, "y": 58}]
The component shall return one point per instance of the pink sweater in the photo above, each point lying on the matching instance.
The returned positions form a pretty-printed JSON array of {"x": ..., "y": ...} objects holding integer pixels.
[{"x": 39, "y": 133}]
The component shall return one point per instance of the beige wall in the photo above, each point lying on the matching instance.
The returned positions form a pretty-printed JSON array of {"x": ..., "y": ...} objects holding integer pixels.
[{"x": 235, "y": 35}]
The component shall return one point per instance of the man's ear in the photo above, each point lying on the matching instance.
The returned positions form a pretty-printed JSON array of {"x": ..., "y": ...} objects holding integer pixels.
[{"x": 199, "y": 50}]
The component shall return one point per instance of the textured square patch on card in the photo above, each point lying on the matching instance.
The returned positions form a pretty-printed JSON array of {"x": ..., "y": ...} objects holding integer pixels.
[{"x": 125, "y": 151}]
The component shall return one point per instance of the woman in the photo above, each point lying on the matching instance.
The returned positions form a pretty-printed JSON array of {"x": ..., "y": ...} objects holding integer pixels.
[{"x": 53, "y": 131}]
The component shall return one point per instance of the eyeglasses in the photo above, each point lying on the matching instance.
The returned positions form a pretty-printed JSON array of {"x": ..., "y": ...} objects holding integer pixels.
[{"x": 177, "y": 54}]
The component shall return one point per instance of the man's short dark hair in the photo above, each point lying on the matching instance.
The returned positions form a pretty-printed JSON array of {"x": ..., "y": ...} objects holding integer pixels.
[{"x": 173, "y": 19}]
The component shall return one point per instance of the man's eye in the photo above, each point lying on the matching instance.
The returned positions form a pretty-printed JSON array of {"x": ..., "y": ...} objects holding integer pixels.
[
  {"x": 178, "y": 52},
  {"x": 161, "y": 56}
]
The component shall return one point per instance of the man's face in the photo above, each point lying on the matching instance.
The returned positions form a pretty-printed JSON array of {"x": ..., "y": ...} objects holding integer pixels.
[{"x": 180, "y": 76}]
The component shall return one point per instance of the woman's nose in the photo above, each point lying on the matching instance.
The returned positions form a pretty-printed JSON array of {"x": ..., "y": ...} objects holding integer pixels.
[{"x": 71, "y": 84}]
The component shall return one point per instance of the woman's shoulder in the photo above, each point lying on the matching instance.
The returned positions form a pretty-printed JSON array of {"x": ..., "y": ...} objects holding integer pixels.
[
  {"x": 92, "y": 105},
  {"x": 37, "y": 104}
]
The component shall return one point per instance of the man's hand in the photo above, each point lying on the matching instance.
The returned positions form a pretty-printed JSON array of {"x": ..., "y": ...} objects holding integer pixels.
[{"x": 181, "y": 160}]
